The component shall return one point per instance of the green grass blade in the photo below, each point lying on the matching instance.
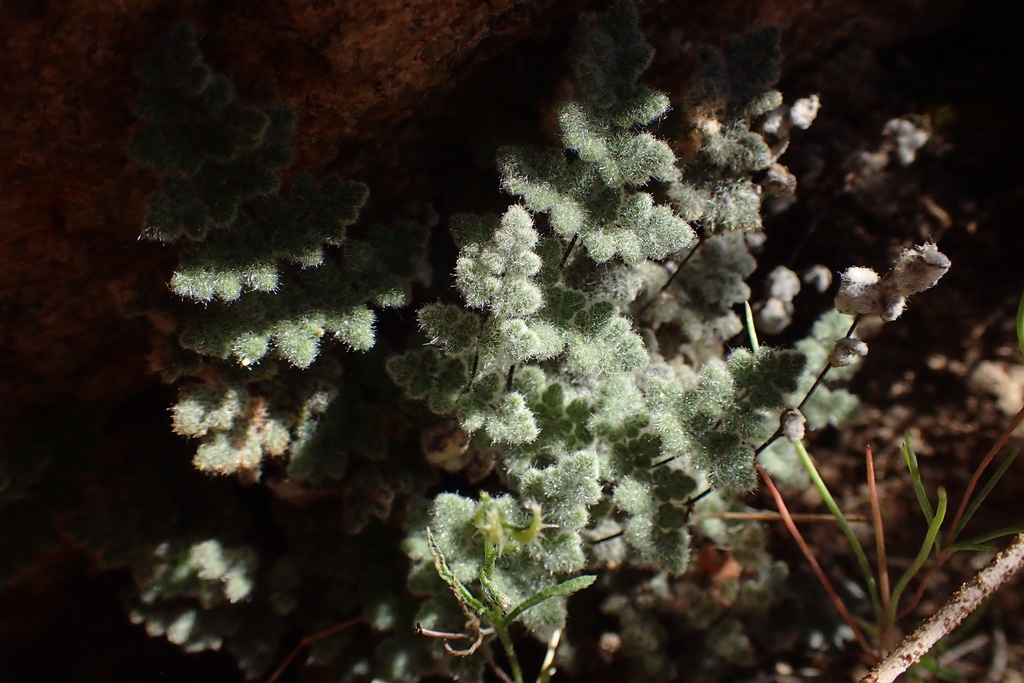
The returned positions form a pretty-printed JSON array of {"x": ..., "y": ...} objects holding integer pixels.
[
  {"x": 979, "y": 541},
  {"x": 751, "y": 332},
  {"x": 910, "y": 458},
  {"x": 926, "y": 548},
  {"x": 930, "y": 664},
  {"x": 559, "y": 590},
  {"x": 989, "y": 485},
  {"x": 858, "y": 549}
]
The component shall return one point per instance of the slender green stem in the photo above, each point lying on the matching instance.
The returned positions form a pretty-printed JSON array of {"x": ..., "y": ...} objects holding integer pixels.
[
  {"x": 810, "y": 392},
  {"x": 926, "y": 549},
  {"x": 813, "y": 561},
  {"x": 858, "y": 549},
  {"x": 910, "y": 458},
  {"x": 510, "y": 651},
  {"x": 983, "y": 494},
  {"x": 978, "y": 542},
  {"x": 495, "y": 599}
]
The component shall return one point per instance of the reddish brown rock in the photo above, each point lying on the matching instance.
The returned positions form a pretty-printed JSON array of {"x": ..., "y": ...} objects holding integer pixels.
[{"x": 362, "y": 76}]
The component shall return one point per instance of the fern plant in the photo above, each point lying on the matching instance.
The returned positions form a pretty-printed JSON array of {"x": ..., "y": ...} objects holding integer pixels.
[
  {"x": 584, "y": 360},
  {"x": 270, "y": 272},
  {"x": 545, "y": 363}
]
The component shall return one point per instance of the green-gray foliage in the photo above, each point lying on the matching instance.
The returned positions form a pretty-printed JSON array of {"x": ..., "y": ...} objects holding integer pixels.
[
  {"x": 276, "y": 270},
  {"x": 715, "y": 186},
  {"x": 591, "y": 194},
  {"x": 830, "y": 404},
  {"x": 544, "y": 362},
  {"x": 582, "y": 354},
  {"x": 700, "y": 303}
]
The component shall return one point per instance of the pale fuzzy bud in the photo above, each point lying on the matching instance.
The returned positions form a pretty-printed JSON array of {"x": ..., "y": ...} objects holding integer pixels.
[
  {"x": 917, "y": 269},
  {"x": 804, "y": 111},
  {"x": 779, "y": 182},
  {"x": 774, "y": 121},
  {"x": 905, "y": 137},
  {"x": 819, "y": 277},
  {"x": 846, "y": 351},
  {"x": 894, "y": 307},
  {"x": 860, "y": 292},
  {"x": 793, "y": 424},
  {"x": 783, "y": 284},
  {"x": 775, "y": 315}
]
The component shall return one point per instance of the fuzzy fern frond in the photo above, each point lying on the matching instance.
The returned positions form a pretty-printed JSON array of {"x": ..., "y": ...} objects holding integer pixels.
[{"x": 715, "y": 186}]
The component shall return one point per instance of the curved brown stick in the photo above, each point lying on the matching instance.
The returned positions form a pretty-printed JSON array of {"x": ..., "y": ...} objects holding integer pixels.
[{"x": 957, "y": 608}]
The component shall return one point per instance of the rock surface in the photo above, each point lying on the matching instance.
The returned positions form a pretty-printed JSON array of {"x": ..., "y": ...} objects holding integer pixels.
[{"x": 363, "y": 77}]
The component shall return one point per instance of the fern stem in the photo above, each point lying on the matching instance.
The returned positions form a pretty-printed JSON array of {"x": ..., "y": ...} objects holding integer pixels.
[
  {"x": 671, "y": 278},
  {"x": 858, "y": 549},
  {"x": 568, "y": 251},
  {"x": 510, "y": 651},
  {"x": 815, "y": 566}
]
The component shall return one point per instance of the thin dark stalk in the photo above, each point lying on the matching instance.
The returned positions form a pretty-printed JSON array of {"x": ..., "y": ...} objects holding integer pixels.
[
  {"x": 810, "y": 392},
  {"x": 472, "y": 373},
  {"x": 690, "y": 502},
  {"x": 568, "y": 250},
  {"x": 824, "y": 371},
  {"x": 476, "y": 353},
  {"x": 696, "y": 499},
  {"x": 671, "y": 278},
  {"x": 609, "y": 537},
  {"x": 664, "y": 462},
  {"x": 508, "y": 378}
]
